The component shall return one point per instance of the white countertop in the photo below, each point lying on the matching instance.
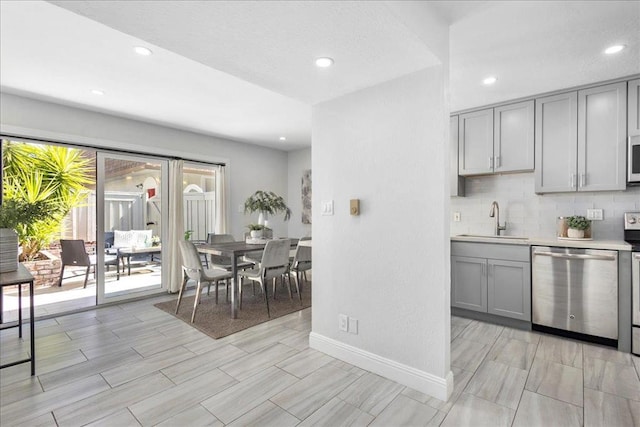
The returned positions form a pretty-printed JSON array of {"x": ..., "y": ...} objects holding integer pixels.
[{"x": 616, "y": 245}]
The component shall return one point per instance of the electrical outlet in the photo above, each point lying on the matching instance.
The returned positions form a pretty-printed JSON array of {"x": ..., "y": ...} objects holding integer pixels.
[
  {"x": 595, "y": 214},
  {"x": 343, "y": 322},
  {"x": 456, "y": 216},
  {"x": 353, "y": 326}
]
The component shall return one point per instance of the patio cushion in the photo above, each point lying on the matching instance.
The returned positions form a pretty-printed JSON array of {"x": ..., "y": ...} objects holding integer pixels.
[{"x": 132, "y": 238}]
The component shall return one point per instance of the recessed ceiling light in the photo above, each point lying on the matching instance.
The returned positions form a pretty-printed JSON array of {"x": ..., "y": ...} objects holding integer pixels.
[
  {"x": 97, "y": 92},
  {"x": 324, "y": 62},
  {"x": 140, "y": 50},
  {"x": 489, "y": 81},
  {"x": 614, "y": 49},
  {"x": 283, "y": 138}
]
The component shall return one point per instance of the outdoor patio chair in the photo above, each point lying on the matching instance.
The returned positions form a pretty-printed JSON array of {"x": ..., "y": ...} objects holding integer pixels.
[{"x": 73, "y": 253}]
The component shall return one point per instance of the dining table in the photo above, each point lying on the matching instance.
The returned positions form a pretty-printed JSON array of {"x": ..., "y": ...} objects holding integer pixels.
[{"x": 234, "y": 250}]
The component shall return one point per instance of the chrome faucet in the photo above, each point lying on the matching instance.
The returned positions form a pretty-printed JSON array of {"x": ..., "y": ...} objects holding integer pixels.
[{"x": 495, "y": 212}]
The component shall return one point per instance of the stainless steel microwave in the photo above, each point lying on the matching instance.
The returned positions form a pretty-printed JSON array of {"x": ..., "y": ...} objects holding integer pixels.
[{"x": 633, "y": 160}]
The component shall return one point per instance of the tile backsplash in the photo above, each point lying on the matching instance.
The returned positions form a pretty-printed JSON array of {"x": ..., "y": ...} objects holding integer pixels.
[{"x": 534, "y": 215}]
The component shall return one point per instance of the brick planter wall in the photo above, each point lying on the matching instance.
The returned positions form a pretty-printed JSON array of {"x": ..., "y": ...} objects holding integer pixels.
[{"x": 47, "y": 272}]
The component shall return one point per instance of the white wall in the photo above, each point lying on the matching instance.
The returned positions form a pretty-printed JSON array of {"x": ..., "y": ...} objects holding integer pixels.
[
  {"x": 533, "y": 215},
  {"x": 299, "y": 161},
  {"x": 249, "y": 167},
  {"x": 389, "y": 267}
]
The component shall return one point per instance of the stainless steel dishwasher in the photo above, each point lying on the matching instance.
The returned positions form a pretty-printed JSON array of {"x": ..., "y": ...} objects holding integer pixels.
[{"x": 575, "y": 290}]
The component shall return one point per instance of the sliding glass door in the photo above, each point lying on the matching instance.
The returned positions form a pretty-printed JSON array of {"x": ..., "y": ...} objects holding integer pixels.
[{"x": 132, "y": 223}]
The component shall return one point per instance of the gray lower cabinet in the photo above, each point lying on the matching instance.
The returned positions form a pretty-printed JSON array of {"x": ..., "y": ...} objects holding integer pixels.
[
  {"x": 491, "y": 278},
  {"x": 469, "y": 283},
  {"x": 509, "y": 289}
]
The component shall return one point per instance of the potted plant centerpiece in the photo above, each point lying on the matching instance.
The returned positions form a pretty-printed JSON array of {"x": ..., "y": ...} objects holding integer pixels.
[
  {"x": 256, "y": 230},
  {"x": 577, "y": 226},
  {"x": 266, "y": 203}
]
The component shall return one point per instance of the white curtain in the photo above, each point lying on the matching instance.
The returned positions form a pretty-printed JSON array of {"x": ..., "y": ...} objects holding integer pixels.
[
  {"x": 221, "y": 201},
  {"x": 176, "y": 226}
]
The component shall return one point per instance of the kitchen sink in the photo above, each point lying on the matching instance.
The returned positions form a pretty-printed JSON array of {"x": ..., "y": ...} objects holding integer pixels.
[{"x": 490, "y": 236}]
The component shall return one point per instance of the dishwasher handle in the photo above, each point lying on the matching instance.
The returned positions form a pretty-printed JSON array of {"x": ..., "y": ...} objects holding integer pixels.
[{"x": 577, "y": 256}]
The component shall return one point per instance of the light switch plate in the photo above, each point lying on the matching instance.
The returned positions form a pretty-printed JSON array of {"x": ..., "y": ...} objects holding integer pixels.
[
  {"x": 595, "y": 214},
  {"x": 327, "y": 207}
]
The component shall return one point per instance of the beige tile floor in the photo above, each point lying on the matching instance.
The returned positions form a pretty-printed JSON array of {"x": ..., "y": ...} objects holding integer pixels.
[{"x": 133, "y": 364}]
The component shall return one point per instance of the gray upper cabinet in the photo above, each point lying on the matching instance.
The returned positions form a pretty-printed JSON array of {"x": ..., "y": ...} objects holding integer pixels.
[
  {"x": 513, "y": 137},
  {"x": 634, "y": 108},
  {"x": 580, "y": 140},
  {"x": 556, "y": 143},
  {"x": 456, "y": 182},
  {"x": 602, "y": 154},
  {"x": 476, "y": 142},
  {"x": 497, "y": 140}
]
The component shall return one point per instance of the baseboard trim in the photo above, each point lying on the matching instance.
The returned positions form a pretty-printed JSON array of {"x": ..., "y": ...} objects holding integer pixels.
[{"x": 421, "y": 381}]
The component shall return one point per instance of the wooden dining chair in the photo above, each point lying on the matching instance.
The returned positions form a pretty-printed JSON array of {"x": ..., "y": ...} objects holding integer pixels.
[
  {"x": 274, "y": 264},
  {"x": 193, "y": 270}
]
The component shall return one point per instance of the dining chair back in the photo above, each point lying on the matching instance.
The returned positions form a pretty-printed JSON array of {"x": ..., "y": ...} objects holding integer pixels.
[
  {"x": 300, "y": 265},
  {"x": 193, "y": 270},
  {"x": 191, "y": 263},
  {"x": 274, "y": 264},
  {"x": 275, "y": 258}
]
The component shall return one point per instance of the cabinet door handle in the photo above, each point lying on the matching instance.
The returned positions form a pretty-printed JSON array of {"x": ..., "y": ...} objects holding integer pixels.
[
  {"x": 490, "y": 162},
  {"x": 572, "y": 180},
  {"x": 498, "y": 163},
  {"x": 583, "y": 179}
]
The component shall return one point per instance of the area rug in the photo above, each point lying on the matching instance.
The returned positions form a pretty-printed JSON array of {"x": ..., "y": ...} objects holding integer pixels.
[{"x": 215, "y": 320}]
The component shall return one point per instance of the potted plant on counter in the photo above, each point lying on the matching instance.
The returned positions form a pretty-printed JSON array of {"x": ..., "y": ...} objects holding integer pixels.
[{"x": 577, "y": 226}]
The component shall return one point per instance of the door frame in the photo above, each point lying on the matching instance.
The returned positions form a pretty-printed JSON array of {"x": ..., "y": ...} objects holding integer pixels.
[{"x": 101, "y": 156}]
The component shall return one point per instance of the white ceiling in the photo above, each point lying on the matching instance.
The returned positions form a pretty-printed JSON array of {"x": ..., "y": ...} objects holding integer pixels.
[
  {"x": 244, "y": 70},
  {"x": 534, "y": 47}
]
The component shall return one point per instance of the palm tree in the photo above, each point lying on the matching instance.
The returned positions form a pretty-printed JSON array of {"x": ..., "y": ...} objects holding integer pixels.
[{"x": 53, "y": 177}]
